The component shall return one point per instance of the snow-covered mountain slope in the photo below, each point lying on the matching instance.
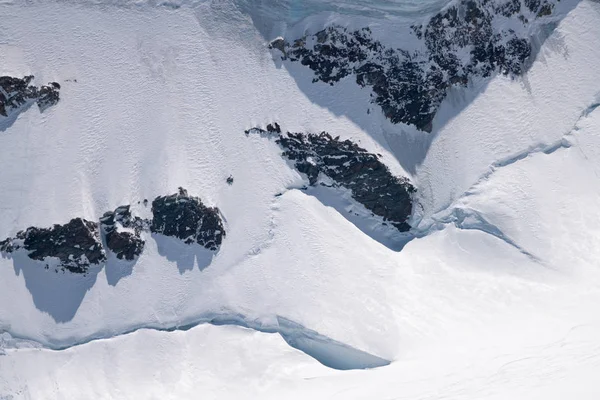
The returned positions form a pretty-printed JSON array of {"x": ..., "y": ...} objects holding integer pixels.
[
  {"x": 176, "y": 118},
  {"x": 465, "y": 42},
  {"x": 494, "y": 297},
  {"x": 228, "y": 362}
]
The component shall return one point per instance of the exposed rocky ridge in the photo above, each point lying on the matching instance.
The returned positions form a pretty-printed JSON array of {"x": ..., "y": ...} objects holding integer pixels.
[
  {"x": 122, "y": 232},
  {"x": 17, "y": 92},
  {"x": 349, "y": 166},
  {"x": 187, "y": 218},
  {"x": 78, "y": 244},
  {"x": 473, "y": 38}
]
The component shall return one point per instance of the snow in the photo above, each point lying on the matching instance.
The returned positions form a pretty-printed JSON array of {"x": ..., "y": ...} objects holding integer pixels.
[
  {"x": 499, "y": 304},
  {"x": 538, "y": 110},
  {"x": 230, "y": 362}
]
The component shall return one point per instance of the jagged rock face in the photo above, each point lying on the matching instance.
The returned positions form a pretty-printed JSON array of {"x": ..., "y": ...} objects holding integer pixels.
[
  {"x": 273, "y": 128},
  {"x": 76, "y": 245},
  {"x": 351, "y": 167},
  {"x": 187, "y": 218},
  {"x": 15, "y": 93},
  {"x": 126, "y": 244},
  {"x": 457, "y": 44}
]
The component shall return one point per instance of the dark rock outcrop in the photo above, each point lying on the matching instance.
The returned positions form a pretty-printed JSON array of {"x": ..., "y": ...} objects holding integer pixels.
[
  {"x": 122, "y": 232},
  {"x": 465, "y": 40},
  {"x": 352, "y": 167},
  {"x": 17, "y": 92},
  {"x": 76, "y": 245},
  {"x": 187, "y": 218},
  {"x": 273, "y": 128}
]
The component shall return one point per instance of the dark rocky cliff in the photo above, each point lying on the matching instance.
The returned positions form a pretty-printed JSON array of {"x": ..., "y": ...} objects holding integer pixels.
[
  {"x": 17, "y": 92},
  {"x": 471, "y": 38}
]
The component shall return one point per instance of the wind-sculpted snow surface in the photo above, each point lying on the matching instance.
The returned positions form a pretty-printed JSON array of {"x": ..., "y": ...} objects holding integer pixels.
[
  {"x": 497, "y": 299},
  {"x": 347, "y": 165},
  {"x": 467, "y": 40}
]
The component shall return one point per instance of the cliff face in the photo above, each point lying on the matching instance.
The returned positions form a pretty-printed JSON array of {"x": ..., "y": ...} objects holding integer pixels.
[
  {"x": 473, "y": 38},
  {"x": 17, "y": 92},
  {"x": 346, "y": 165},
  {"x": 78, "y": 245}
]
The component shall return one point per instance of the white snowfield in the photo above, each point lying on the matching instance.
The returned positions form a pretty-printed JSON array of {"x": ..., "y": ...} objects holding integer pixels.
[{"x": 498, "y": 297}]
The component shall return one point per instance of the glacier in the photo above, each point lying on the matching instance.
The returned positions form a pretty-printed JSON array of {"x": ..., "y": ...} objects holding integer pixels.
[{"x": 494, "y": 296}]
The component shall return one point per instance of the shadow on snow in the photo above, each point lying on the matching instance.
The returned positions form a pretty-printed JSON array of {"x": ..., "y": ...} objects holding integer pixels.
[{"x": 60, "y": 293}]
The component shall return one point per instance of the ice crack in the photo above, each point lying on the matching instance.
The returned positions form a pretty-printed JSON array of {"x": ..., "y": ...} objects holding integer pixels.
[{"x": 327, "y": 351}]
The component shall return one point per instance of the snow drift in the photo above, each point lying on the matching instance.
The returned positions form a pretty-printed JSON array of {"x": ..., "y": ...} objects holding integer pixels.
[{"x": 493, "y": 296}]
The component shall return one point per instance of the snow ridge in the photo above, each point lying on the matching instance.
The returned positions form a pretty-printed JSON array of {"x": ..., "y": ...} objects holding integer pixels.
[
  {"x": 466, "y": 218},
  {"x": 327, "y": 351}
]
